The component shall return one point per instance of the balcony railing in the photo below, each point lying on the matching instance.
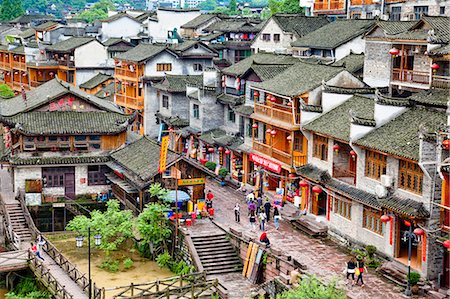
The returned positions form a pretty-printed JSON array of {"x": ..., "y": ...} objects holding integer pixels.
[
  {"x": 276, "y": 114},
  {"x": 441, "y": 81},
  {"x": 411, "y": 76},
  {"x": 361, "y": 2},
  {"x": 129, "y": 102},
  {"x": 18, "y": 86},
  {"x": 127, "y": 73},
  {"x": 332, "y": 5},
  {"x": 345, "y": 175},
  {"x": 19, "y": 65},
  {"x": 297, "y": 159},
  {"x": 5, "y": 65}
]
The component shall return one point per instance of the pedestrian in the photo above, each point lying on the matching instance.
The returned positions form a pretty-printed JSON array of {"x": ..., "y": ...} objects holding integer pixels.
[
  {"x": 250, "y": 197},
  {"x": 262, "y": 220},
  {"x": 251, "y": 207},
  {"x": 263, "y": 238},
  {"x": 350, "y": 270},
  {"x": 35, "y": 250},
  {"x": 276, "y": 217},
  {"x": 209, "y": 198},
  {"x": 360, "y": 269},
  {"x": 267, "y": 207},
  {"x": 241, "y": 180},
  {"x": 40, "y": 241},
  {"x": 237, "y": 213},
  {"x": 259, "y": 204},
  {"x": 252, "y": 219}
]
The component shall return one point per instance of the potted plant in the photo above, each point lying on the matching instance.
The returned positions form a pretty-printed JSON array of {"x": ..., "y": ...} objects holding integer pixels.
[{"x": 414, "y": 278}]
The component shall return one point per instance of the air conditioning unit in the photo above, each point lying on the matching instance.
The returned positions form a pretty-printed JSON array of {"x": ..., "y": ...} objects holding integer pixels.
[
  {"x": 387, "y": 180},
  {"x": 381, "y": 191}
]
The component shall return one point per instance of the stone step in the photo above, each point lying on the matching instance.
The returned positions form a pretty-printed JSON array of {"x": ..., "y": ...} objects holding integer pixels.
[
  {"x": 215, "y": 250},
  {"x": 223, "y": 271},
  {"x": 212, "y": 242},
  {"x": 223, "y": 267},
  {"x": 214, "y": 246},
  {"x": 233, "y": 262},
  {"x": 208, "y": 237},
  {"x": 436, "y": 295},
  {"x": 219, "y": 257}
]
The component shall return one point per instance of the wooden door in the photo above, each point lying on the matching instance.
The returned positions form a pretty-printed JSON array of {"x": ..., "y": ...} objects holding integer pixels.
[
  {"x": 315, "y": 204},
  {"x": 446, "y": 270},
  {"x": 69, "y": 185}
]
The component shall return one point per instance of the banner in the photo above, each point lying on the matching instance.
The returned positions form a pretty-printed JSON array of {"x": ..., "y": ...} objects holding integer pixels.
[{"x": 163, "y": 154}]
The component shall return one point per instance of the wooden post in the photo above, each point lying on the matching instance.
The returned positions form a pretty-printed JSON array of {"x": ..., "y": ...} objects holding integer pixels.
[
  {"x": 132, "y": 289},
  {"x": 141, "y": 200}
]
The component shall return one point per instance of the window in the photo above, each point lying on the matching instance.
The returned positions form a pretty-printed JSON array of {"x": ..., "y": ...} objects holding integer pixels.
[
  {"x": 375, "y": 164},
  {"x": 241, "y": 126},
  {"x": 369, "y": 15},
  {"x": 419, "y": 11},
  {"x": 53, "y": 177},
  {"x": 410, "y": 177},
  {"x": 242, "y": 54},
  {"x": 250, "y": 128},
  {"x": 442, "y": 10},
  {"x": 231, "y": 115},
  {"x": 165, "y": 101},
  {"x": 276, "y": 38},
  {"x": 320, "y": 147},
  {"x": 372, "y": 221},
  {"x": 96, "y": 175},
  {"x": 196, "y": 111},
  {"x": 80, "y": 142},
  {"x": 95, "y": 142},
  {"x": 356, "y": 16},
  {"x": 343, "y": 208},
  {"x": 163, "y": 67},
  {"x": 396, "y": 13},
  {"x": 198, "y": 67},
  {"x": 266, "y": 37}
]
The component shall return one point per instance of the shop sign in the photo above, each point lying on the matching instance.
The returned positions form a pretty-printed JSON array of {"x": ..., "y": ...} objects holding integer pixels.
[
  {"x": 163, "y": 154},
  {"x": 191, "y": 182},
  {"x": 267, "y": 164}
]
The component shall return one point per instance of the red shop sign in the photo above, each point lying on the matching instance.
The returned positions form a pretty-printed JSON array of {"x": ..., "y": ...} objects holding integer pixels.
[{"x": 267, "y": 164}]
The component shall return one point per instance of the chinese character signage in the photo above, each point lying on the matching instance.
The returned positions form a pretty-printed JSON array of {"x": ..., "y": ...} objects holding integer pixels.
[
  {"x": 267, "y": 164},
  {"x": 163, "y": 154},
  {"x": 191, "y": 182}
]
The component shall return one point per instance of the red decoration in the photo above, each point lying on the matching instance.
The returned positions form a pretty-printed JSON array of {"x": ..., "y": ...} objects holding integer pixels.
[
  {"x": 227, "y": 152},
  {"x": 266, "y": 163},
  {"x": 82, "y": 180},
  {"x": 336, "y": 148},
  {"x": 435, "y": 67},
  {"x": 419, "y": 232},
  {"x": 385, "y": 218},
  {"x": 394, "y": 51},
  {"x": 255, "y": 126},
  {"x": 292, "y": 176},
  {"x": 353, "y": 154},
  {"x": 268, "y": 131},
  {"x": 289, "y": 138},
  {"x": 256, "y": 93},
  {"x": 303, "y": 184},
  {"x": 317, "y": 189},
  {"x": 220, "y": 149},
  {"x": 42, "y": 51},
  {"x": 447, "y": 244},
  {"x": 273, "y": 132},
  {"x": 446, "y": 144},
  {"x": 407, "y": 223},
  {"x": 273, "y": 99},
  {"x": 211, "y": 150},
  {"x": 289, "y": 104}
]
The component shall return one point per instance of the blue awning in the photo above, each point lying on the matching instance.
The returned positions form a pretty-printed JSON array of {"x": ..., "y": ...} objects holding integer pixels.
[{"x": 182, "y": 196}]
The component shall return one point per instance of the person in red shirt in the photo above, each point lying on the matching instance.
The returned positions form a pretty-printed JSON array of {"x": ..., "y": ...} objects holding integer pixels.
[
  {"x": 209, "y": 198},
  {"x": 263, "y": 238},
  {"x": 35, "y": 250}
]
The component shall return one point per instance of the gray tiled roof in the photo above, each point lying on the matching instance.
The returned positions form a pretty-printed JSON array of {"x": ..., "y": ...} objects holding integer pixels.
[
  {"x": 352, "y": 62},
  {"x": 28, "y": 33},
  {"x": 68, "y": 122},
  {"x": 299, "y": 78},
  {"x": 336, "y": 122},
  {"x": 177, "y": 83},
  {"x": 395, "y": 27},
  {"x": 59, "y": 160},
  {"x": 441, "y": 27},
  {"x": 334, "y": 34},
  {"x": 230, "y": 99},
  {"x": 118, "y": 16},
  {"x": 234, "y": 25},
  {"x": 444, "y": 50},
  {"x": 243, "y": 110},
  {"x": 107, "y": 92},
  {"x": 173, "y": 120},
  {"x": 47, "y": 92},
  {"x": 432, "y": 97},
  {"x": 141, "y": 52},
  {"x": 96, "y": 81},
  {"x": 266, "y": 72},
  {"x": 400, "y": 136},
  {"x": 27, "y": 18},
  {"x": 70, "y": 44},
  {"x": 198, "y": 21},
  {"x": 45, "y": 25},
  {"x": 299, "y": 24},
  {"x": 141, "y": 158}
]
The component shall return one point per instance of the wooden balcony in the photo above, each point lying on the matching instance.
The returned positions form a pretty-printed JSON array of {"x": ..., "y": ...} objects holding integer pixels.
[
  {"x": 361, "y": 2},
  {"x": 441, "y": 82},
  {"x": 5, "y": 65},
  {"x": 19, "y": 65},
  {"x": 130, "y": 102},
  {"x": 345, "y": 175},
  {"x": 411, "y": 78},
  {"x": 128, "y": 74},
  {"x": 297, "y": 159},
  {"x": 331, "y": 5},
  {"x": 18, "y": 86},
  {"x": 276, "y": 116}
]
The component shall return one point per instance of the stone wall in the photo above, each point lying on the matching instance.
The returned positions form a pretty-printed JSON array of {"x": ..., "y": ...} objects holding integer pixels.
[{"x": 377, "y": 64}]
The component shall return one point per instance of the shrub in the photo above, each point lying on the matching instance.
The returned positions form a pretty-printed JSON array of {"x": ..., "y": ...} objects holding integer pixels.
[
  {"x": 110, "y": 265},
  {"x": 210, "y": 165},
  {"x": 163, "y": 260},
  {"x": 414, "y": 278},
  {"x": 223, "y": 172},
  {"x": 311, "y": 288},
  {"x": 370, "y": 249},
  {"x": 6, "y": 92},
  {"x": 128, "y": 263}
]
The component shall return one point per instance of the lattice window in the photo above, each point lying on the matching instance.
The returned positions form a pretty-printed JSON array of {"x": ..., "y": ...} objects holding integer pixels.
[
  {"x": 375, "y": 164},
  {"x": 410, "y": 177},
  {"x": 372, "y": 221},
  {"x": 343, "y": 208},
  {"x": 320, "y": 147},
  {"x": 163, "y": 67}
]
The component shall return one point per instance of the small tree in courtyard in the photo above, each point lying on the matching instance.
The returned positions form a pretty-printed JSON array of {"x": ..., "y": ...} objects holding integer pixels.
[{"x": 311, "y": 288}]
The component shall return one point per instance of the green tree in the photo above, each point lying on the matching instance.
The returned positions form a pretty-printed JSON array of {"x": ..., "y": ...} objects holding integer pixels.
[
  {"x": 98, "y": 11},
  {"x": 275, "y": 6},
  {"x": 291, "y": 6},
  {"x": 311, "y": 288},
  {"x": 11, "y": 9},
  {"x": 208, "y": 5},
  {"x": 6, "y": 92},
  {"x": 233, "y": 6},
  {"x": 157, "y": 191}
]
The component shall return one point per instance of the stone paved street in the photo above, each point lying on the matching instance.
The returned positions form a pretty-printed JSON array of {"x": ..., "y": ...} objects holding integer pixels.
[{"x": 322, "y": 257}]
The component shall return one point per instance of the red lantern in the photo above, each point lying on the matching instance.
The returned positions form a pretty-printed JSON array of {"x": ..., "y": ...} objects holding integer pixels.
[
  {"x": 353, "y": 154},
  {"x": 170, "y": 129},
  {"x": 303, "y": 184},
  {"x": 227, "y": 152},
  {"x": 292, "y": 176},
  {"x": 419, "y": 232},
  {"x": 407, "y": 223},
  {"x": 273, "y": 132},
  {"x": 336, "y": 148},
  {"x": 289, "y": 104},
  {"x": 273, "y": 99},
  {"x": 446, "y": 144},
  {"x": 42, "y": 51},
  {"x": 256, "y": 93},
  {"x": 211, "y": 150},
  {"x": 289, "y": 138},
  {"x": 317, "y": 189},
  {"x": 255, "y": 126},
  {"x": 394, "y": 51},
  {"x": 435, "y": 67},
  {"x": 385, "y": 218},
  {"x": 447, "y": 244},
  {"x": 220, "y": 149},
  {"x": 268, "y": 131}
]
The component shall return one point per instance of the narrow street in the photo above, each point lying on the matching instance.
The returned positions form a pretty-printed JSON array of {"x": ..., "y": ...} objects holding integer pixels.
[{"x": 323, "y": 258}]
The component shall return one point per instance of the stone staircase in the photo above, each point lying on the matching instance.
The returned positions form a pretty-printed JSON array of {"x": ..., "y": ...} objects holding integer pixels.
[
  {"x": 216, "y": 254},
  {"x": 17, "y": 222}
]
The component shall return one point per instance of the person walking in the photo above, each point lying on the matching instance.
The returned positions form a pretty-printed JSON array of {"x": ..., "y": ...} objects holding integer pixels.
[
  {"x": 250, "y": 197},
  {"x": 262, "y": 220},
  {"x": 35, "y": 250},
  {"x": 267, "y": 207},
  {"x": 351, "y": 269},
  {"x": 209, "y": 198},
  {"x": 276, "y": 217},
  {"x": 251, "y": 207},
  {"x": 237, "y": 213},
  {"x": 252, "y": 219},
  {"x": 361, "y": 268},
  {"x": 264, "y": 239},
  {"x": 259, "y": 204}
]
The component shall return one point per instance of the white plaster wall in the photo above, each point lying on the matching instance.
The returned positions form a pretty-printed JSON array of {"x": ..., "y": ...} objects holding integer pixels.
[
  {"x": 306, "y": 116},
  {"x": 92, "y": 54},
  {"x": 167, "y": 21},
  {"x": 271, "y": 46},
  {"x": 356, "y": 45},
  {"x": 385, "y": 113},
  {"x": 151, "y": 106},
  {"x": 81, "y": 172},
  {"x": 25, "y": 173},
  {"x": 179, "y": 66},
  {"x": 123, "y": 27},
  {"x": 332, "y": 100},
  {"x": 358, "y": 131}
]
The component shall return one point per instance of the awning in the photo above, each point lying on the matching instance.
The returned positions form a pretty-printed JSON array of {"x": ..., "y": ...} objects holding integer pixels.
[
  {"x": 182, "y": 196},
  {"x": 121, "y": 183}
]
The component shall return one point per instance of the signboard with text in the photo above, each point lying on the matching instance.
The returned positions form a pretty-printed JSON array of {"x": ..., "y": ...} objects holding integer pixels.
[
  {"x": 163, "y": 154},
  {"x": 191, "y": 182},
  {"x": 265, "y": 163}
]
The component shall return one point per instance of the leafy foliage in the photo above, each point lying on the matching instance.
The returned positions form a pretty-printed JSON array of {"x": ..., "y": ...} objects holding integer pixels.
[
  {"x": 11, "y": 9},
  {"x": 208, "y": 5},
  {"x": 27, "y": 289},
  {"x": 210, "y": 165},
  {"x": 6, "y": 92},
  {"x": 98, "y": 11},
  {"x": 223, "y": 172},
  {"x": 164, "y": 260},
  {"x": 128, "y": 263},
  {"x": 370, "y": 249},
  {"x": 233, "y": 6},
  {"x": 110, "y": 265},
  {"x": 284, "y": 6},
  {"x": 311, "y": 288},
  {"x": 414, "y": 278},
  {"x": 156, "y": 190}
]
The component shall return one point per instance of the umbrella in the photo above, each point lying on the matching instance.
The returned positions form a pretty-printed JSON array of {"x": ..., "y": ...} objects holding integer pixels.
[{"x": 182, "y": 196}]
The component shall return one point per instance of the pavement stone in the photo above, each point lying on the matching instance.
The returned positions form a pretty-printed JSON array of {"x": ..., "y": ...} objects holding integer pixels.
[{"x": 322, "y": 257}]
